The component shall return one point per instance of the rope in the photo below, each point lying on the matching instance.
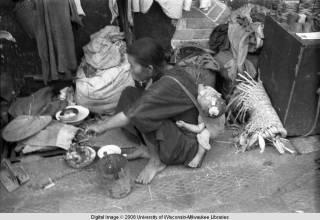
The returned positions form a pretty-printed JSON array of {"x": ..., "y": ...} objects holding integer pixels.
[{"x": 188, "y": 94}]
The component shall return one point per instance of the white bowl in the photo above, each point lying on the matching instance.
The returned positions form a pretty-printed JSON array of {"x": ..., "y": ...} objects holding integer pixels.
[
  {"x": 82, "y": 114},
  {"x": 108, "y": 149}
]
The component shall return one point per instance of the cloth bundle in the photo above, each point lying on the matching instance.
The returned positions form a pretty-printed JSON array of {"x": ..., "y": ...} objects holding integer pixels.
[
  {"x": 218, "y": 40},
  {"x": 198, "y": 62},
  {"x": 104, "y": 71},
  {"x": 244, "y": 36}
]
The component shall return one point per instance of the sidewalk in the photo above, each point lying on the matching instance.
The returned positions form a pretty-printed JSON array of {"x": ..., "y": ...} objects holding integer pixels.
[{"x": 227, "y": 182}]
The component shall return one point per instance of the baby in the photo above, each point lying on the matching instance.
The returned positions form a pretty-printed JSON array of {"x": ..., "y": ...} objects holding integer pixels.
[{"x": 210, "y": 122}]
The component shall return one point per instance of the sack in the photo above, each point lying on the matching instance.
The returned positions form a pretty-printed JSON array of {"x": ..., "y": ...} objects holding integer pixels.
[
  {"x": 106, "y": 48},
  {"x": 104, "y": 71},
  {"x": 101, "y": 93}
]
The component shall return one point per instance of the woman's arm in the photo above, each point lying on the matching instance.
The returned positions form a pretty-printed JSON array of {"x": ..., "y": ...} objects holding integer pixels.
[{"x": 117, "y": 121}]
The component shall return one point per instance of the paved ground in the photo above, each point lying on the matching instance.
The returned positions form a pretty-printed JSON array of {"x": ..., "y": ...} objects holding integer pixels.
[{"x": 227, "y": 182}]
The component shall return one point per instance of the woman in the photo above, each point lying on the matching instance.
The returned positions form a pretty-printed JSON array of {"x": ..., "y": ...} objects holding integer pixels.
[{"x": 151, "y": 109}]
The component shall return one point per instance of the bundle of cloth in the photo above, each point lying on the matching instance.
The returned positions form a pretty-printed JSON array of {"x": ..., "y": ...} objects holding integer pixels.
[
  {"x": 245, "y": 30},
  {"x": 104, "y": 71},
  {"x": 198, "y": 62},
  {"x": 231, "y": 42}
]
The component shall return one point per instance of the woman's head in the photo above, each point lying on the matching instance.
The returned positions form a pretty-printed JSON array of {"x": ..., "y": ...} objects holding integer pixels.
[{"x": 146, "y": 58}]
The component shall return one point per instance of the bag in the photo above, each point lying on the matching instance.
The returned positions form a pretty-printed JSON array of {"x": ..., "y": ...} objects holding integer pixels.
[
  {"x": 101, "y": 93},
  {"x": 104, "y": 71}
]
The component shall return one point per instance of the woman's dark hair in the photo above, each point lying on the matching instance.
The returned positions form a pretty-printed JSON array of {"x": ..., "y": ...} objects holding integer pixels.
[{"x": 146, "y": 51}]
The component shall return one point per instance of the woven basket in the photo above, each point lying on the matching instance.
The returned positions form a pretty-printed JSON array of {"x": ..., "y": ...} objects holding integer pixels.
[
  {"x": 254, "y": 109},
  {"x": 24, "y": 126}
]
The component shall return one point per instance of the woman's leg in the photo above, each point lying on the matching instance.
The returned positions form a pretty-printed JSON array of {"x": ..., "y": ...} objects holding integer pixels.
[
  {"x": 175, "y": 146},
  {"x": 167, "y": 146},
  {"x": 154, "y": 165}
]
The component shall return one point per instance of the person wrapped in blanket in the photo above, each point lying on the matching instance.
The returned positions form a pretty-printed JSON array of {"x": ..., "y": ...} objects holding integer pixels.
[{"x": 151, "y": 109}]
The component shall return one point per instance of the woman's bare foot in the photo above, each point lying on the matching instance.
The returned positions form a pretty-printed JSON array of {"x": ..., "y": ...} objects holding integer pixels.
[
  {"x": 153, "y": 167},
  {"x": 195, "y": 162},
  {"x": 140, "y": 152}
]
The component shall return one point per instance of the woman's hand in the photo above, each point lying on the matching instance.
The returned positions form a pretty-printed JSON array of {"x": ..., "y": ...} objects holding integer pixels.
[
  {"x": 117, "y": 121},
  {"x": 93, "y": 130}
]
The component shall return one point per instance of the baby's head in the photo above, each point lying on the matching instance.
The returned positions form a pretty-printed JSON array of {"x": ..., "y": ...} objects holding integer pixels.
[{"x": 210, "y": 101}]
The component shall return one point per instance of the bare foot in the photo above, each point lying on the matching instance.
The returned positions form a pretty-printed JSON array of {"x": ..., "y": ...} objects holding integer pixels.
[
  {"x": 197, "y": 159},
  {"x": 152, "y": 168},
  {"x": 140, "y": 152}
]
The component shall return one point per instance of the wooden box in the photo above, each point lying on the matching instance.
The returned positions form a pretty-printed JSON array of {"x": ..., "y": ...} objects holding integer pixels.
[{"x": 289, "y": 68}]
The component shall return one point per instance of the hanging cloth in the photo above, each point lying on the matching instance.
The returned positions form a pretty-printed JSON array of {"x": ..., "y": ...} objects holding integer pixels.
[{"x": 54, "y": 36}]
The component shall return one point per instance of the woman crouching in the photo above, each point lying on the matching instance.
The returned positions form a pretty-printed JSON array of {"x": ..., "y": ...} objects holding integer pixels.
[{"x": 150, "y": 111}]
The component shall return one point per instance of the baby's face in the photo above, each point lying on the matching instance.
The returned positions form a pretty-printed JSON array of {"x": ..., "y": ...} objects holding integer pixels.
[{"x": 208, "y": 100}]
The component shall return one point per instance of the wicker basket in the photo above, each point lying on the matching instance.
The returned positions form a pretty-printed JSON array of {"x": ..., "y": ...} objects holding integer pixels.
[{"x": 254, "y": 109}]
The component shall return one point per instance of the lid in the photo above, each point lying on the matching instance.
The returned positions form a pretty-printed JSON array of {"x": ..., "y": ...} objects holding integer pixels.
[{"x": 24, "y": 126}]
